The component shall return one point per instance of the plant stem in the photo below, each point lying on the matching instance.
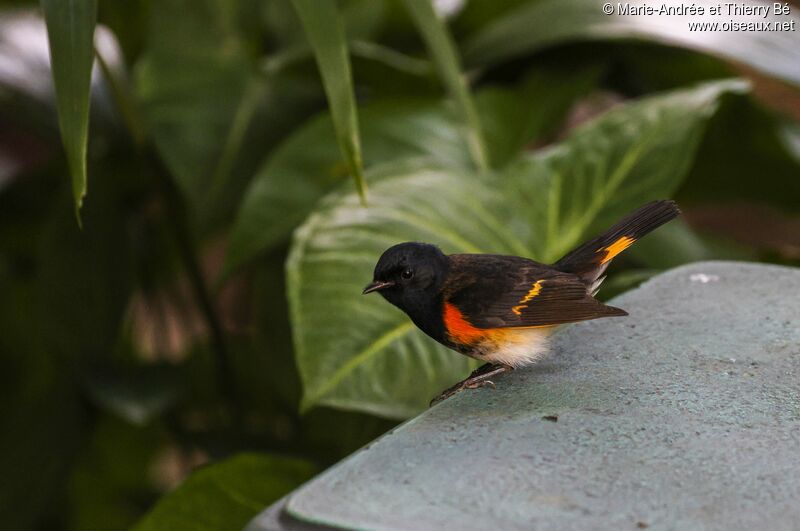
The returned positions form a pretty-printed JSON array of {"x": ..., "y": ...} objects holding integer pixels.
[
  {"x": 445, "y": 56},
  {"x": 245, "y": 112},
  {"x": 124, "y": 101},
  {"x": 187, "y": 249}
]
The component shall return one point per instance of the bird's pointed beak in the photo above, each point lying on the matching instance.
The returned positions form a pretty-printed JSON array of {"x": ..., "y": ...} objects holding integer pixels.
[{"x": 377, "y": 285}]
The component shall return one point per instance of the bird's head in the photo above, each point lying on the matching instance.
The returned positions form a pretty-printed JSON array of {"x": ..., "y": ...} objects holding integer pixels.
[{"x": 408, "y": 274}]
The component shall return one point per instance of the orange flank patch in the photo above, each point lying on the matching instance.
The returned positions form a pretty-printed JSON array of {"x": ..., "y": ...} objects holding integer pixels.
[
  {"x": 617, "y": 247},
  {"x": 534, "y": 291},
  {"x": 515, "y": 346},
  {"x": 463, "y": 332},
  {"x": 459, "y": 329}
]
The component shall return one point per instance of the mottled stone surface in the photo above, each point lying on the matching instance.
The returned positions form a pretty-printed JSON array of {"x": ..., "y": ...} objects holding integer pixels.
[{"x": 684, "y": 415}]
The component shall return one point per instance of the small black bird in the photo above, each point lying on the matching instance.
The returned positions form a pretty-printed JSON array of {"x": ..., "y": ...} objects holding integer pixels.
[{"x": 501, "y": 309}]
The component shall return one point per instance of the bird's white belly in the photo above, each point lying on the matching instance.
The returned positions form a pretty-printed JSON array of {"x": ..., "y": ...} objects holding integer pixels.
[{"x": 516, "y": 347}]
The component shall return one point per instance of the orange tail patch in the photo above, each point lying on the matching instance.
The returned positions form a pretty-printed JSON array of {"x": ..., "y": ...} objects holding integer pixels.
[{"x": 615, "y": 248}]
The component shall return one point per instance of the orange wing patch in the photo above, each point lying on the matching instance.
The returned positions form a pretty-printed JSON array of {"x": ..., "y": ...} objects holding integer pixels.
[
  {"x": 615, "y": 248},
  {"x": 534, "y": 291}
]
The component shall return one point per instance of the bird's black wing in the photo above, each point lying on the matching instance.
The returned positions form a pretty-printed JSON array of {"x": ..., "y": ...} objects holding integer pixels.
[{"x": 494, "y": 291}]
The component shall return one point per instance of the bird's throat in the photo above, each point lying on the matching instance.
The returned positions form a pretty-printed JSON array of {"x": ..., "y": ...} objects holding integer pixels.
[{"x": 427, "y": 315}]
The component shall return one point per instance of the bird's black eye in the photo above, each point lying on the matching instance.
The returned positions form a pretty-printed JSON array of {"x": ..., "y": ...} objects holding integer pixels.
[{"x": 407, "y": 274}]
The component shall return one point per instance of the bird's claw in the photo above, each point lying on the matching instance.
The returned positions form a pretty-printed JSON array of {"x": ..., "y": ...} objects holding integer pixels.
[
  {"x": 477, "y": 385},
  {"x": 478, "y": 378}
]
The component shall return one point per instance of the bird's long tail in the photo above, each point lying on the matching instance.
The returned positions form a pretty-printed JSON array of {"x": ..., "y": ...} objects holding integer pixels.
[{"x": 590, "y": 260}]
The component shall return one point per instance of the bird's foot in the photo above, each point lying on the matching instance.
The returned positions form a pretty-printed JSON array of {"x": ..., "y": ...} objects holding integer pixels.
[
  {"x": 480, "y": 377},
  {"x": 477, "y": 385}
]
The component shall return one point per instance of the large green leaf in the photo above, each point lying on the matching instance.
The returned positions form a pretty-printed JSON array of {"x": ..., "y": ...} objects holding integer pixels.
[
  {"x": 70, "y": 29},
  {"x": 445, "y": 56},
  {"x": 358, "y": 352},
  {"x": 226, "y": 495},
  {"x": 643, "y": 150},
  {"x": 543, "y": 23},
  {"x": 324, "y": 30},
  {"x": 308, "y": 165}
]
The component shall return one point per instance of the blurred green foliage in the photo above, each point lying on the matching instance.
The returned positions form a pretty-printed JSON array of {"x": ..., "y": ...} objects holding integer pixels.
[{"x": 213, "y": 290}]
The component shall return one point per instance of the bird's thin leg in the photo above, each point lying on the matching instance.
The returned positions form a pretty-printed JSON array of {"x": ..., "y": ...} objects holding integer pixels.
[
  {"x": 486, "y": 367},
  {"x": 478, "y": 378}
]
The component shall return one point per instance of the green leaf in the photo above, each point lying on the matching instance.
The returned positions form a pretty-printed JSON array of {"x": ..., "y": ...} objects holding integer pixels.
[
  {"x": 673, "y": 245},
  {"x": 363, "y": 18},
  {"x": 476, "y": 15},
  {"x": 513, "y": 118},
  {"x": 444, "y": 53},
  {"x": 190, "y": 81},
  {"x": 390, "y": 58},
  {"x": 70, "y": 30},
  {"x": 757, "y": 164},
  {"x": 324, "y": 30},
  {"x": 307, "y": 165},
  {"x": 537, "y": 25},
  {"x": 226, "y": 495},
  {"x": 357, "y": 352},
  {"x": 613, "y": 164}
]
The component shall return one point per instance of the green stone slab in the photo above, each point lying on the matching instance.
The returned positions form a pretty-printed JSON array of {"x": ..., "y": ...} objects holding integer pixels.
[{"x": 685, "y": 415}]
